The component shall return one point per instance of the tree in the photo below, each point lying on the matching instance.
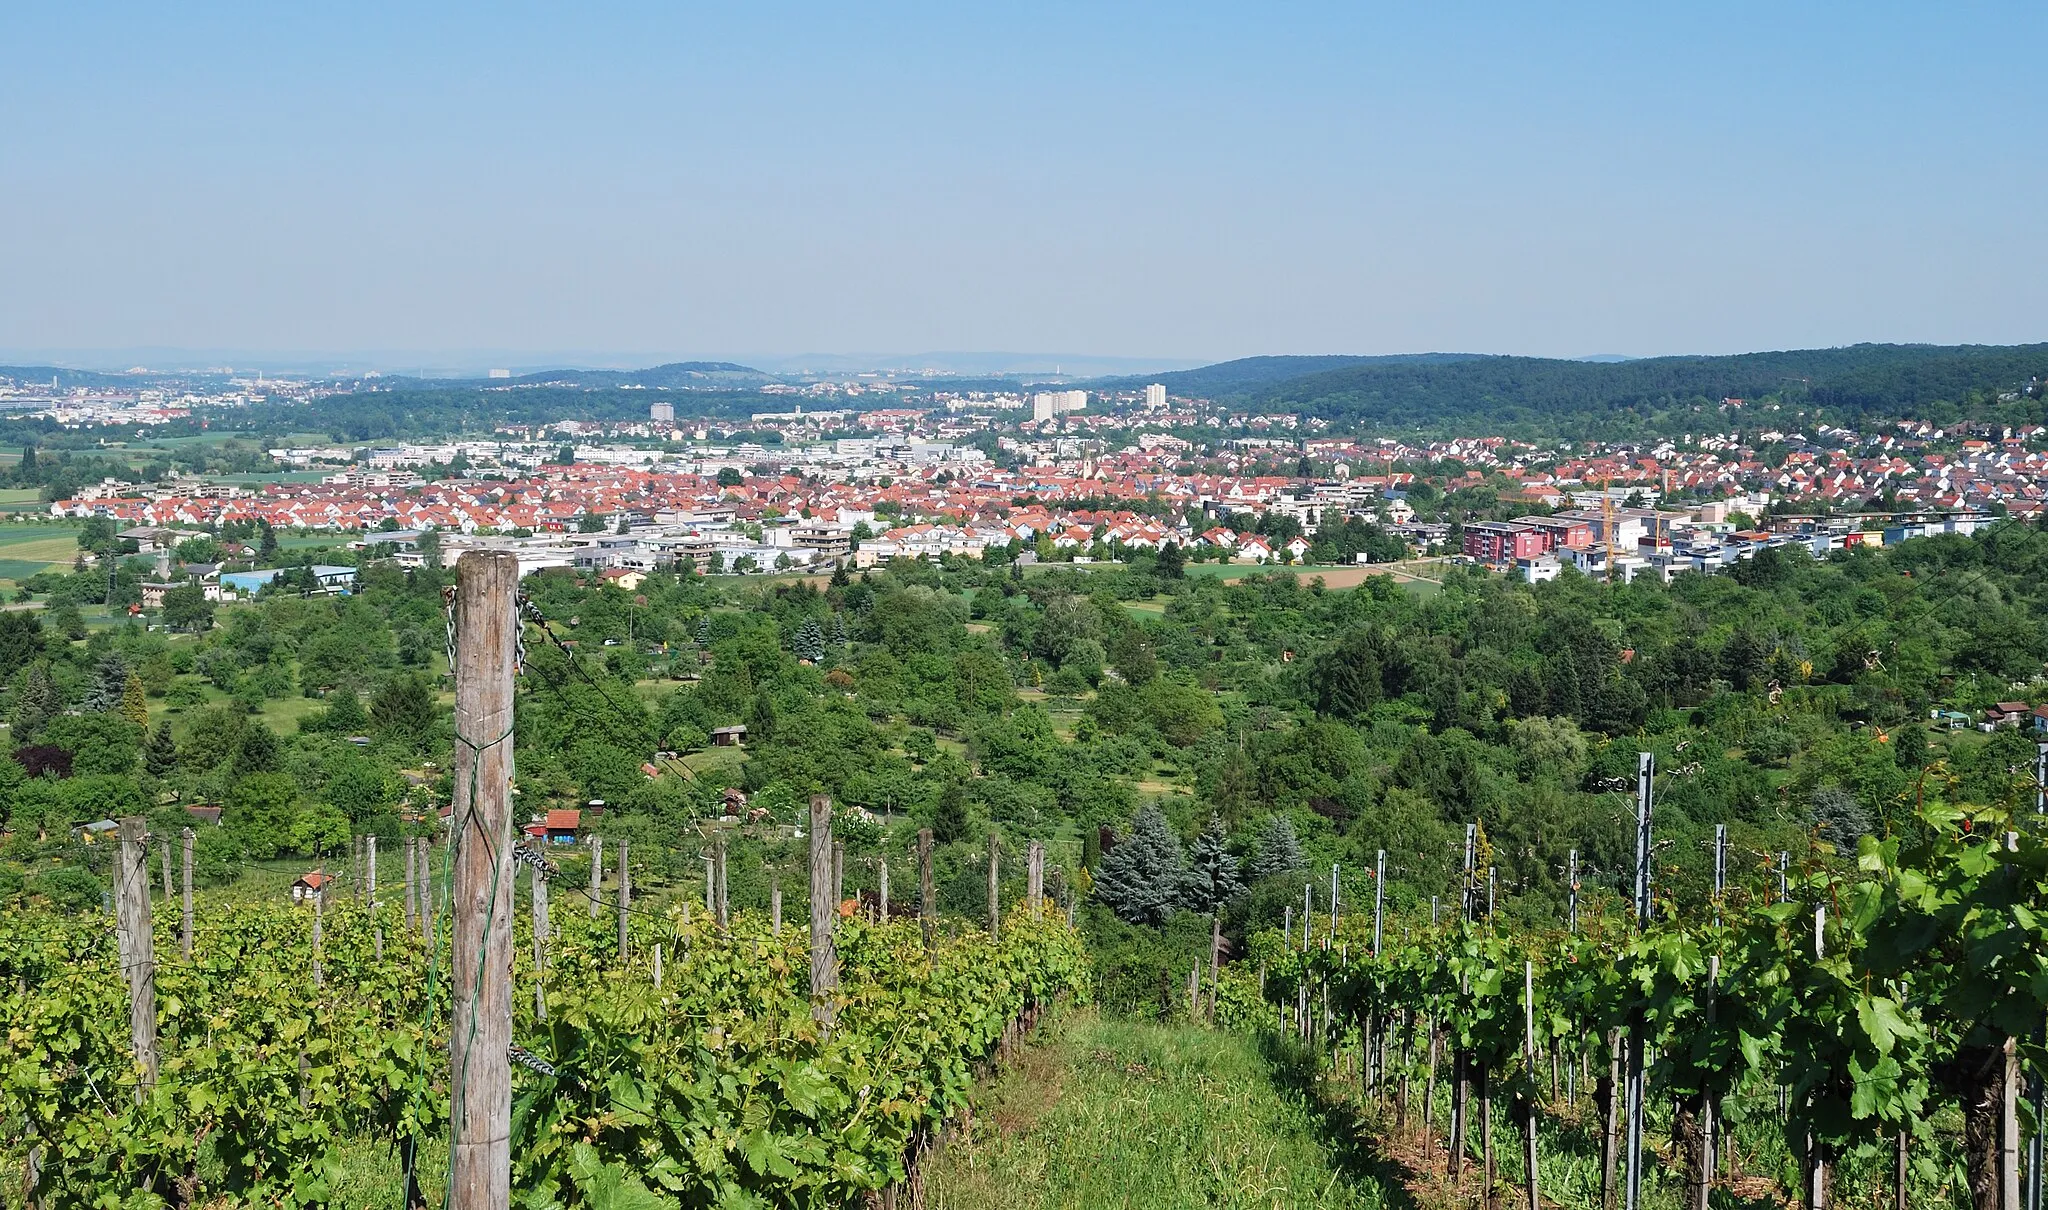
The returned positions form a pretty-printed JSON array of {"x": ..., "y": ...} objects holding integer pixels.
[
  {"x": 809, "y": 643},
  {"x": 429, "y": 547},
  {"x": 102, "y": 743},
  {"x": 950, "y": 822},
  {"x": 266, "y": 548},
  {"x": 1171, "y": 564},
  {"x": 1212, "y": 871},
  {"x": 404, "y": 712},
  {"x": 728, "y": 476},
  {"x": 262, "y": 813},
  {"x": 109, "y": 683},
  {"x": 1143, "y": 878},
  {"x": 186, "y": 608},
  {"x": 21, "y": 640},
  {"x": 35, "y": 703},
  {"x": 256, "y": 752},
  {"x": 1841, "y": 819},
  {"x": 1279, "y": 849},
  {"x": 160, "y": 754},
  {"x": 134, "y": 701},
  {"x": 761, "y": 717}
]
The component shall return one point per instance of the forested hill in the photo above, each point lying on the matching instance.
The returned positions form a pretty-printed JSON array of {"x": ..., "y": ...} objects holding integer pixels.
[
  {"x": 1246, "y": 377},
  {"x": 1662, "y": 393}
]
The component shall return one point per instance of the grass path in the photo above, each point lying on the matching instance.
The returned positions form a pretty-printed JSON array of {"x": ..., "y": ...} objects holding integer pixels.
[{"x": 1140, "y": 1116}]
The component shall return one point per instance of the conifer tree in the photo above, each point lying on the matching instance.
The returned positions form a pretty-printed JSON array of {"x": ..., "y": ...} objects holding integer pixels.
[
  {"x": 1212, "y": 872},
  {"x": 1143, "y": 877},
  {"x": 1279, "y": 849},
  {"x": 839, "y": 635},
  {"x": 134, "y": 704},
  {"x": 109, "y": 682},
  {"x": 160, "y": 753},
  {"x": 35, "y": 703},
  {"x": 809, "y": 643}
]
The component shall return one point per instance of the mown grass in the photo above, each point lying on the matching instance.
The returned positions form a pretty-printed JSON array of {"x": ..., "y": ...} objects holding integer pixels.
[{"x": 1140, "y": 1116}]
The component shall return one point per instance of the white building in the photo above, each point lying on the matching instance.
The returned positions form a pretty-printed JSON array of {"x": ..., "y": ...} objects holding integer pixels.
[
  {"x": 662, "y": 413},
  {"x": 1155, "y": 397}
]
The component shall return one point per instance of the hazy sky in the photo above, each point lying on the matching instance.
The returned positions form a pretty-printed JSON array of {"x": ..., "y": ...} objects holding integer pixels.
[{"x": 1181, "y": 180}]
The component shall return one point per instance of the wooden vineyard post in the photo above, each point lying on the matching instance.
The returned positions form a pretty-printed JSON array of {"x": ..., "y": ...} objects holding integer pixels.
[
  {"x": 426, "y": 844},
  {"x": 596, "y": 873},
  {"x": 319, "y": 921},
  {"x": 1529, "y": 1043},
  {"x": 824, "y": 957},
  {"x": 480, "y": 1094},
  {"x": 625, "y": 897},
  {"x": 883, "y": 893},
  {"x": 164, "y": 850},
  {"x": 1215, "y": 948},
  {"x": 137, "y": 947},
  {"x": 370, "y": 892},
  {"x": 927, "y": 901},
  {"x": 995, "y": 919},
  {"x": 411, "y": 887},
  {"x": 1194, "y": 989},
  {"x": 718, "y": 905},
  {"x": 775, "y": 903},
  {"x": 185, "y": 839},
  {"x": 657, "y": 966},
  {"x": 1034, "y": 876},
  {"x": 540, "y": 940}
]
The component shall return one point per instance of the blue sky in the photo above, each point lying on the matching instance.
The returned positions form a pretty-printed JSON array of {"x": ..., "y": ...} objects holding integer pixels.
[{"x": 1184, "y": 180}]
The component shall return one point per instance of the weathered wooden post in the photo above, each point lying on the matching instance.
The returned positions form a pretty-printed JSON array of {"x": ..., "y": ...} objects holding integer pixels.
[
  {"x": 625, "y": 897},
  {"x": 824, "y": 908},
  {"x": 775, "y": 903},
  {"x": 539, "y": 907},
  {"x": 724, "y": 915},
  {"x": 137, "y": 947},
  {"x": 1034, "y": 876},
  {"x": 370, "y": 890},
  {"x": 411, "y": 850},
  {"x": 186, "y": 838},
  {"x": 596, "y": 874},
  {"x": 884, "y": 892},
  {"x": 995, "y": 917},
  {"x": 480, "y": 1101},
  {"x": 927, "y": 900},
  {"x": 319, "y": 919},
  {"x": 164, "y": 849}
]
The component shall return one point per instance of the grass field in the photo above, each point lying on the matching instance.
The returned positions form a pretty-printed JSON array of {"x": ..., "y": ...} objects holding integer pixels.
[{"x": 1143, "y": 1116}]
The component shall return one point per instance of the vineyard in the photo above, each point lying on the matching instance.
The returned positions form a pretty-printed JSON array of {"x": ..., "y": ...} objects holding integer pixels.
[
  {"x": 695, "y": 1071},
  {"x": 1817, "y": 1038}
]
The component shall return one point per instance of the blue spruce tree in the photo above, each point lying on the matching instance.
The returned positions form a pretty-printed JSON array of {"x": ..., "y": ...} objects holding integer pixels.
[
  {"x": 1279, "y": 849},
  {"x": 1142, "y": 878},
  {"x": 1212, "y": 879}
]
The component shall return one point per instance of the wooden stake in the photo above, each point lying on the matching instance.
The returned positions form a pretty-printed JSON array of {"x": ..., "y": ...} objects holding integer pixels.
[
  {"x": 884, "y": 914},
  {"x": 596, "y": 873},
  {"x": 137, "y": 947},
  {"x": 1034, "y": 876},
  {"x": 824, "y": 956},
  {"x": 1215, "y": 948},
  {"x": 319, "y": 916},
  {"x": 370, "y": 890},
  {"x": 186, "y": 839},
  {"x": 927, "y": 900},
  {"x": 625, "y": 897},
  {"x": 718, "y": 883},
  {"x": 657, "y": 966},
  {"x": 1529, "y": 1042},
  {"x": 775, "y": 903},
  {"x": 539, "y": 906},
  {"x": 995, "y": 917},
  {"x": 411, "y": 850},
  {"x": 480, "y": 1102}
]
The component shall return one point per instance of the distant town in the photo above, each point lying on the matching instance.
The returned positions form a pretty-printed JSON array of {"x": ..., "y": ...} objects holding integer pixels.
[{"x": 1066, "y": 475}]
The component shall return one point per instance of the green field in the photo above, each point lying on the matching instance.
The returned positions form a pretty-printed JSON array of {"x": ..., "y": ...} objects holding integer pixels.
[{"x": 1141, "y": 1116}]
